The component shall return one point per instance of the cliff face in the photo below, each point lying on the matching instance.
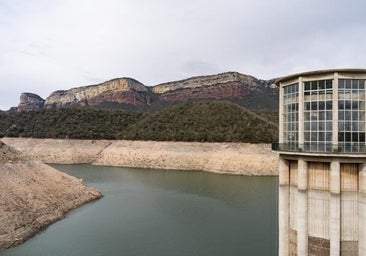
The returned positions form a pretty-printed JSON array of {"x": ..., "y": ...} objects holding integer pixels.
[
  {"x": 226, "y": 85},
  {"x": 206, "y": 81},
  {"x": 243, "y": 89},
  {"x": 121, "y": 90},
  {"x": 29, "y": 102}
]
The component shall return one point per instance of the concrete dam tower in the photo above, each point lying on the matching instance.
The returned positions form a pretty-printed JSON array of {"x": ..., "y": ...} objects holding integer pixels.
[{"x": 322, "y": 170}]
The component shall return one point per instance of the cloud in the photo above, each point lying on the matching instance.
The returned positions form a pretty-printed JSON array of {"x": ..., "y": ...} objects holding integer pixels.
[{"x": 50, "y": 45}]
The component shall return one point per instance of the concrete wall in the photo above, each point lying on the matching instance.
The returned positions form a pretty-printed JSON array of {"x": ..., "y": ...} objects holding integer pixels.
[{"x": 322, "y": 206}]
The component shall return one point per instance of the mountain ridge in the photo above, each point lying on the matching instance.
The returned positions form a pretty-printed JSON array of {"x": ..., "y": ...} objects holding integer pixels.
[{"x": 130, "y": 94}]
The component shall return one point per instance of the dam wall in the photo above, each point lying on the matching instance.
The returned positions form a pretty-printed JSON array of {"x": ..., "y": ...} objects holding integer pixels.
[{"x": 322, "y": 206}]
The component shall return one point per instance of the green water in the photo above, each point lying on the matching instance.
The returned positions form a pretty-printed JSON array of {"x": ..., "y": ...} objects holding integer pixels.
[{"x": 157, "y": 212}]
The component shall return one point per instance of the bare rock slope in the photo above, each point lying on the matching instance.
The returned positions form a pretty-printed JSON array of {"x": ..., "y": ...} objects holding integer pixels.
[
  {"x": 226, "y": 158},
  {"x": 34, "y": 195}
]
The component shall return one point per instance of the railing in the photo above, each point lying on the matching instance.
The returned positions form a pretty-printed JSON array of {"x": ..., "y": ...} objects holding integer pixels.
[{"x": 352, "y": 148}]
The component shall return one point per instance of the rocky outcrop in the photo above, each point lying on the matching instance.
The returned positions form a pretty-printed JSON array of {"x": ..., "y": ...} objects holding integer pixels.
[
  {"x": 34, "y": 195},
  {"x": 30, "y": 102},
  {"x": 120, "y": 90},
  {"x": 226, "y": 158},
  {"x": 206, "y": 81},
  {"x": 7, "y": 154},
  {"x": 126, "y": 93},
  {"x": 229, "y": 85}
]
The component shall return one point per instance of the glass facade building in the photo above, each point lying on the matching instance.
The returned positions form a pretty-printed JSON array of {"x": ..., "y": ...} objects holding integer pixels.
[
  {"x": 323, "y": 111},
  {"x": 322, "y": 163}
]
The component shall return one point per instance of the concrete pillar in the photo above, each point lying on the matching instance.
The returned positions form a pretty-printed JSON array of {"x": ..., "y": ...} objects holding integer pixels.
[
  {"x": 335, "y": 208},
  {"x": 335, "y": 112},
  {"x": 281, "y": 119},
  {"x": 283, "y": 207},
  {"x": 302, "y": 209},
  {"x": 301, "y": 113},
  {"x": 362, "y": 211}
]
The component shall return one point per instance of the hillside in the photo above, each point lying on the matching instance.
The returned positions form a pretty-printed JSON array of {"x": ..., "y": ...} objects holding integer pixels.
[
  {"x": 212, "y": 121},
  {"x": 73, "y": 123},
  {"x": 208, "y": 121}
]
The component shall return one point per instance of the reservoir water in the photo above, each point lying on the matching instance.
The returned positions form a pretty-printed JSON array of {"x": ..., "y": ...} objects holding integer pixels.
[{"x": 159, "y": 212}]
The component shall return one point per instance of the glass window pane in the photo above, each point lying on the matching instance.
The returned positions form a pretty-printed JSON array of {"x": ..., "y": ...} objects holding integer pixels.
[
  {"x": 348, "y": 84},
  {"x": 313, "y": 136},
  {"x": 354, "y": 104},
  {"x": 321, "y": 85},
  {"x": 329, "y": 115},
  {"x": 314, "y": 86},
  {"x": 362, "y": 84},
  {"x": 321, "y": 126},
  {"x": 354, "y": 115},
  {"x": 341, "y": 83},
  {"x": 341, "y": 104},
  {"x": 313, "y": 126},
  {"x": 321, "y": 115},
  {"x": 307, "y": 136},
  {"x": 355, "y": 137},
  {"x": 341, "y": 126},
  {"x": 307, "y": 126},
  {"x": 347, "y": 104},
  {"x": 361, "y": 137},
  {"x": 307, "y": 86},
  {"x": 329, "y": 126},
  {"x": 321, "y": 136},
  {"x": 314, "y": 115},
  {"x": 329, "y": 84},
  {"x": 329, "y": 105},
  {"x": 347, "y": 115},
  {"x": 307, "y": 105},
  {"x": 341, "y": 115},
  {"x": 328, "y": 137},
  {"x": 307, "y": 116},
  {"x": 321, "y": 105},
  {"x": 314, "y": 105}
]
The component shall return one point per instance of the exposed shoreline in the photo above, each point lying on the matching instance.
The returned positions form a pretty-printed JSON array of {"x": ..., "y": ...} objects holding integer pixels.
[
  {"x": 224, "y": 158},
  {"x": 34, "y": 195}
]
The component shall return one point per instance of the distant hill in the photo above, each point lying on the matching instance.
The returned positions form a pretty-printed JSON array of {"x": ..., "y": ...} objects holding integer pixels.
[
  {"x": 130, "y": 94},
  {"x": 211, "y": 121}
]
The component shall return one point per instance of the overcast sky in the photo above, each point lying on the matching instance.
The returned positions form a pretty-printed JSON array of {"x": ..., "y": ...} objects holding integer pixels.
[{"x": 51, "y": 45}]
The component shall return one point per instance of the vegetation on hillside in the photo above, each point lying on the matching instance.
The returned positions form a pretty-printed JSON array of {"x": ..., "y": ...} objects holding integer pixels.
[
  {"x": 73, "y": 123},
  {"x": 208, "y": 121},
  {"x": 213, "y": 121}
]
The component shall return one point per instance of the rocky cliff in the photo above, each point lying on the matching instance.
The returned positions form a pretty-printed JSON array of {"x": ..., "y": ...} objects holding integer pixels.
[
  {"x": 128, "y": 93},
  {"x": 121, "y": 90},
  {"x": 207, "y": 81},
  {"x": 230, "y": 85},
  {"x": 30, "y": 101}
]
